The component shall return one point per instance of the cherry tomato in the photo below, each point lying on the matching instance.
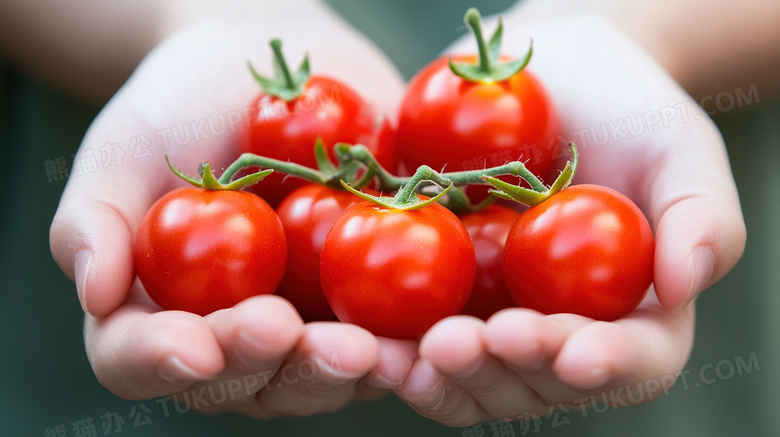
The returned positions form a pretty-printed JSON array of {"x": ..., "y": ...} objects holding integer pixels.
[
  {"x": 326, "y": 109},
  {"x": 396, "y": 272},
  {"x": 307, "y": 215},
  {"x": 447, "y": 120},
  {"x": 586, "y": 250},
  {"x": 199, "y": 250},
  {"x": 489, "y": 229}
]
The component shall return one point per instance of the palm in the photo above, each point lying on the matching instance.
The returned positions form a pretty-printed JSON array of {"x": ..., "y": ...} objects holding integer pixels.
[
  {"x": 672, "y": 162},
  {"x": 187, "y": 98}
]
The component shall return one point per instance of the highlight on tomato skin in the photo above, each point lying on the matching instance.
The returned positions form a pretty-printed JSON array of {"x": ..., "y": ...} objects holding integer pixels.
[
  {"x": 200, "y": 250},
  {"x": 586, "y": 250},
  {"x": 394, "y": 272}
]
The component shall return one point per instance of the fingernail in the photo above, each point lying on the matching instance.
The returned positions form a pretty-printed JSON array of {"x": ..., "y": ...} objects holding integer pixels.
[
  {"x": 379, "y": 381},
  {"x": 174, "y": 370},
  {"x": 702, "y": 267},
  {"x": 438, "y": 401},
  {"x": 83, "y": 269}
]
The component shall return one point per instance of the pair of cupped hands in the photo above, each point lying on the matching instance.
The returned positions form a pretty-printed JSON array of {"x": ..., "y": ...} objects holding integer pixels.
[{"x": 463, "y": 370}]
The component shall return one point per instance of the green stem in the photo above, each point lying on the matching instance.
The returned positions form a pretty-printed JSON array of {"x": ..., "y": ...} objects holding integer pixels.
[
  {"x": 276, "y": 45},
  {"x": 490, "y": 68},
  {"x": 531, "y": 198},
  {"x": 360, "y": 153},
  {"x": 365, "y": 179},
  {"x": 285, "y": 84},
  {"x": 408, "y": 193},
  {"x": 474, "y": 20},
  {"x": 350, "y": 158},
  {"x": 515, "y": 168},
  {"x": 388, "y": 181},
  {"x": 406, "y": 198},
  {"x": 459, "y": 203},
  {"x": 285, "y": 167}
]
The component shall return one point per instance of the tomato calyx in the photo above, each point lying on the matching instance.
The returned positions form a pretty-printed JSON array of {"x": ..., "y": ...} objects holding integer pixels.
[
  {"x": 505, "y": 190},
  {"x": 285, "y": 85},
  {"x": 209, "y": 182},
  {"x": 490, "y": 68},
  {"x": 406, "y": 198}
]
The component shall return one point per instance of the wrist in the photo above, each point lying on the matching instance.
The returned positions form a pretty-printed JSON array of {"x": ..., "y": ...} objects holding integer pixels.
[
  {"x": 707, "y": 48},
  {"x": 178, "y": 14},
  {"x": 652, "y": 27}
]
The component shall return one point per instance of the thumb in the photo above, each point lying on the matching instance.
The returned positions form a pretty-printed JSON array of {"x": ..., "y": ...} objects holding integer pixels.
[
  {"x": 700, "y": 231},
  {"x": 91, "y": 235},
  {"x": 91, "y": 239}
]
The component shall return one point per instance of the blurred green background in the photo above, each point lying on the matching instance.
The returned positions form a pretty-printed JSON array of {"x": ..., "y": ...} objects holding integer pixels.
[{"x": 46, "y": 379}]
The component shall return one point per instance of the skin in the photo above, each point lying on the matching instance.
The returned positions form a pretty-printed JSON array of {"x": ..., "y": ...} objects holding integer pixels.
[
  {"x": 707, "y": 46},
  {"x": 464, "y": 370},
  {"x": 521, "y": 362},
  {"x": 139, "y": 352}
]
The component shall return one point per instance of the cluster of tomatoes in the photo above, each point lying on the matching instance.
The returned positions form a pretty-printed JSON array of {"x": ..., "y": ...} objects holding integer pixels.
[{"x": 398, "y": 268}]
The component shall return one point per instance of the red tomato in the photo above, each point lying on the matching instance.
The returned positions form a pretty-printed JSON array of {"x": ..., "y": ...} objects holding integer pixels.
[
  {"x": 587, "y": 250},
  {"x": 199, "y": 250},
  {"x": 489, "y": 229},
  {"x": 326, "y": 109},
  {"x": 447, "y": 120},
  {"x": 307, "y": 215},
  {"x": 395, "y": 272}
]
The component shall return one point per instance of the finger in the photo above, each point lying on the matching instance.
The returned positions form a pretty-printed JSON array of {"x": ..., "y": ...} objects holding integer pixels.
[
  {"x": 139, "y": 355},
  {"x": 431, "y": 394},
  {"x": 256, "y": 334},
  {"x": 321, "y": 373},
  {"x": 103, "y": 203},
  {"x": 527, "y": 343},
  {"x": 646, "y": 348},
  {"x": 91, "y": 233},
  {"x": 91, "y": 236},
  {"x": 456, "y": 348},
  {"x": 679, "y": 173},
  {"x": 700, "y": 231},
  {"x": 94, "y": 251},
  {"x": 396, "y": 358}
]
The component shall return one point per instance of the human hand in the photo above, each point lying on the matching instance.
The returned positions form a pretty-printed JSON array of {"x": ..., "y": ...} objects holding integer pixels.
[
  {"x": 259, "y": 352},
  {"x": 672, "y": 163}
]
